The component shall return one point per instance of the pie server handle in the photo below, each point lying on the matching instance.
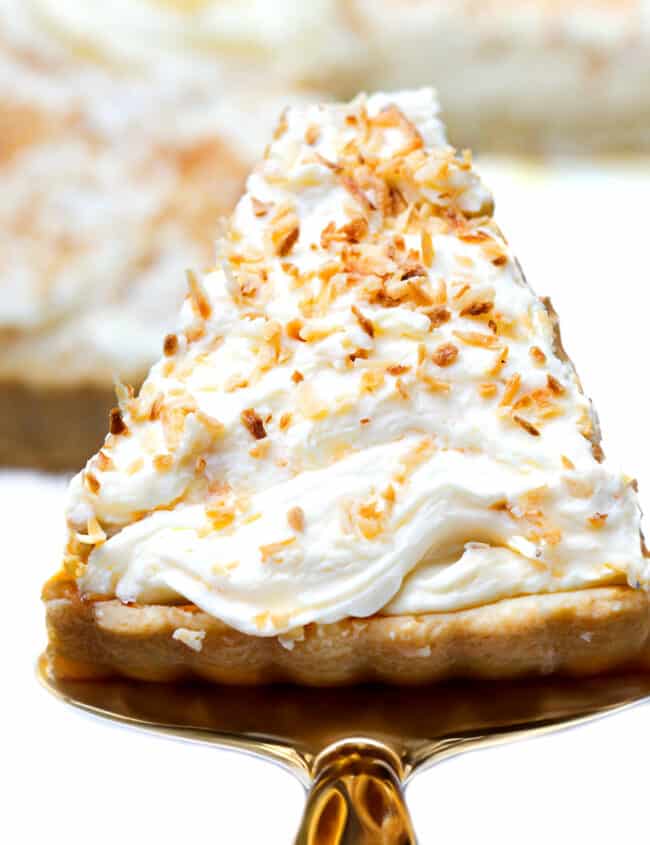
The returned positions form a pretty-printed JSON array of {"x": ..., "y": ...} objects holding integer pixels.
[{"x": 356, "y": 798}]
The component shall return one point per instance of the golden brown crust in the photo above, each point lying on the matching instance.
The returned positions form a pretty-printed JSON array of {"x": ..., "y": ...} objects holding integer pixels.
[
  {"x": 52, "y": 428},
  {"x": 576, "y": 633}
]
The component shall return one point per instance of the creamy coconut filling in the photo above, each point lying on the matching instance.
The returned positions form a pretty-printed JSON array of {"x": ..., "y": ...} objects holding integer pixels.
[{"x": 365, "y": 408}]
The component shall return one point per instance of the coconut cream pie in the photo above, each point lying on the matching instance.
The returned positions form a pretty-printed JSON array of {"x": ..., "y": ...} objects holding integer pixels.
[
  {"x": 113, "y": 176},
  {"x": 363, "y": 454}
]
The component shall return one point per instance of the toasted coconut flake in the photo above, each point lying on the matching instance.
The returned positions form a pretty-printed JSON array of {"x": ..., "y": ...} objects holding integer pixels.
[
  {"x": 355, "y": 191},
  {"x": 495, "y": 253},
  {"x": 487, "y": 390},
  {"x": 369, "y": 520},
  {"x": 198, "y": 296},
  {"x": 354, "y": 231},
  {"x": 163, "y": 463},
  {"x": 124, "y": 393},
  {"x": 220, "y": 514},
  {"x": 104, "y": 462},
  {"x": 260, "y": 449},
  {"x": 567, "y": 463},
  {"x": 261, "y": 620},
  {"x": 293, "y": 329},
  {"x": 580, "y": 488},
  {"x": 426, "y": 248},
  {"x": 500, "y": 362},
  {"x": 537, "y": 355},
  {"x": 285, "y": 231},
  {"x": 527, "y": 426},
  {"x": 414, "y": 458},
  {"x": 397, "y": 369},
  {"x": 440, "y": 295},
  {"x": 511, "y": 389},
  {"x": 211, "y": 424},
  {"x": 116, "y": 424},
  {"x": 91, "y": 482},
  {"x": 135, "y": 466},
  {"x": 464, "y": 261},
  {"x": 254, "y": 423},
  {"x": 170, "y": 345},
  {"x": 330, "y": 165},
  {"x": 438, "y": 316},
  {"x": 389, "y": 494},
  {"x": 460, "y": 293},
  {"x": 401, "y": 388},
  {"x": 189, "y": 638},
  {"x": 296, "y": 519},
  {"x": 282, "y": 125},
  {"x": 445, "y": 354},
  {"x": 435, "y": 385},
  {"x": 598, "y": 520},
  {"x": 554, "y": 385},
  {"x": 363, "y": 321},
  {"x": 371, "y": 380},
  {"x": 285, "y": 421},
  {"x": 95, "y": 534},
  {"x": 500, "y": 505},
  {"x": 391, "y": 115},
  {"x": 359, "y": 354},
  {"x": 235, "y": 382},
  {"x": 156, "y": 407},
  {"x": 476, "y": 309},
  {"x": 312, "y": 134},
  {"x": 260, "y": 209},
  {"x": 272, "y": 551},
  {"x": 485, "y": 341},
  {"x": 297, "y": 377},
  {"x": 309, "y": 404},
  {"x": 200, "y": 466},
  {"x": 193, "y": 333}
]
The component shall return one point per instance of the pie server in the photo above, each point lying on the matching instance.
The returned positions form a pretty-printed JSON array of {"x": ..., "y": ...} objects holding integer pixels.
[{"x": 354, "y": 748}]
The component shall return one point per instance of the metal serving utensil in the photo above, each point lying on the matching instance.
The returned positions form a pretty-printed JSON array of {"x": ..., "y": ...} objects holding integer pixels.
[{"x": 354, "y": 748}]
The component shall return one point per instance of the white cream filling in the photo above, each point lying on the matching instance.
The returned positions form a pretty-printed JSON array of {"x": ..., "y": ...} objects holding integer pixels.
[
  {"x": 328, "y": 572},
  {"x": 396, "y": 483}
]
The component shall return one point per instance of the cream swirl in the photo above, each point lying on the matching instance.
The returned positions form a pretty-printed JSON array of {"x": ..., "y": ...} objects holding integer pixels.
[{"x": 366, "y": 409}]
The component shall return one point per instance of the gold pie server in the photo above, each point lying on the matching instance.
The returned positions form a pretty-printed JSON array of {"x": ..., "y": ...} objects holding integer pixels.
[{"x": 354, "y": 748}]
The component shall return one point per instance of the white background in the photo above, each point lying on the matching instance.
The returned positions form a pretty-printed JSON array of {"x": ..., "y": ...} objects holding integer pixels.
[{"x": 583, "y": 236}]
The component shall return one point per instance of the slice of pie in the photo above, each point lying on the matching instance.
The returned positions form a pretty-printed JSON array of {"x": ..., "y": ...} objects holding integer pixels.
[{"x": 364, "y": 455}]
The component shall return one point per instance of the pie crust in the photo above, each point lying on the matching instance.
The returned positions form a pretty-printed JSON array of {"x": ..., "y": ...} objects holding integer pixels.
[
  {"x": 572, "y": 633},
  {"x": 54, "y": 429}
]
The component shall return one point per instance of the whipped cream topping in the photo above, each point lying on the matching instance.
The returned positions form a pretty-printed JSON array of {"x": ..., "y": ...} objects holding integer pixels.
[{"x": 365, "y": 408}]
